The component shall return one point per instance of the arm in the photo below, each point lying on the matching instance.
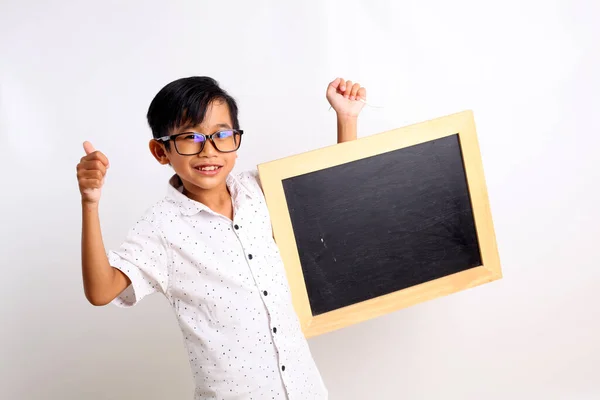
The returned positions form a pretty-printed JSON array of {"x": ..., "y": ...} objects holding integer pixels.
[
  {"x": 346, "y": 128},
  {"x": 101, "y": 282},
  {"x": 347, "y": 100}
]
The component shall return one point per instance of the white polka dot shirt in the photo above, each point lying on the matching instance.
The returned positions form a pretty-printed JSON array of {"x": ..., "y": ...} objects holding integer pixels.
[{"x": 227, "y": 285}]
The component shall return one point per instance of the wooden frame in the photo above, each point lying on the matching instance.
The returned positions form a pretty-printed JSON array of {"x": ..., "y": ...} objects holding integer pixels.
[{"x": 272, "y": 174}]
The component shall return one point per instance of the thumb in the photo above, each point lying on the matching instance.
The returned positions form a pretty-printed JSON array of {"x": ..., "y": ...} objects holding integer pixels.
[
  {"x": 88, "y": 147},
  {"x": 333, "y": 86}
]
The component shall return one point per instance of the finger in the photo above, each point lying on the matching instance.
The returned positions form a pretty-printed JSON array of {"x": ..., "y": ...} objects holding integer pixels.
[
  {"x": 90, "y": 174},
  {"x": 88, "y": 147},
  {"x": 342, "y": 86},
  {"x": 362, "y": 94},
  {"x": 90, "y": 150},
  {"x": 348, "y": 89},
  {"x": 97, "y": 155},
  {"x": 92, "y": 165},
  {"x": 333, "y": 87},
  {"x": 335, "y": 83},
  {"x": 354, "y": 91}
]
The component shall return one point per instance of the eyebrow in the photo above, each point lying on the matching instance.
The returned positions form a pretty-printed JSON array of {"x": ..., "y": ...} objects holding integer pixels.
[
  {"x": 223, "y": 126},
  {"x": 187, "y": 127}
]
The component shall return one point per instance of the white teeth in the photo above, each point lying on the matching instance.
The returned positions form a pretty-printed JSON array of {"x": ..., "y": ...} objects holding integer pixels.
[{"x": 210, "y": 168}]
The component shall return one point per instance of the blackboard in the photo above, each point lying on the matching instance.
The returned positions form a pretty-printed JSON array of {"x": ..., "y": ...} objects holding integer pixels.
[
  {"x": 374, "y": 225},
  {"x": 381, "y": 224}
]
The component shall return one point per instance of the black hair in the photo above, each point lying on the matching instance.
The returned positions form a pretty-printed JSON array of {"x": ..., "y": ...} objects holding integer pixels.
[{"x": 185, "y": 101}]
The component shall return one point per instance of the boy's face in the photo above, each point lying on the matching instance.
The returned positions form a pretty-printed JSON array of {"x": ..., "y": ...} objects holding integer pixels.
[{"x": 193, "y": 169}]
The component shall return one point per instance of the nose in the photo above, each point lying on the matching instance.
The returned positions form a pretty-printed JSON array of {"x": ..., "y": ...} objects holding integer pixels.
[{"x": 209, "y": 148}]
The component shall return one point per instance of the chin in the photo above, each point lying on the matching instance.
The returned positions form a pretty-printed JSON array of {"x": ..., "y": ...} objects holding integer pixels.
[{"x": 206, "y": 180}]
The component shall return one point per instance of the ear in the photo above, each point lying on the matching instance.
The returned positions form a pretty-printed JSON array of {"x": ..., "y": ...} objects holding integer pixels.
[{"x": 159, "y": 152}]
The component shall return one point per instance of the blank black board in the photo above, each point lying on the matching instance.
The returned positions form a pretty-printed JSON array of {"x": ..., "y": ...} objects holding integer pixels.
[{"x": 383, "y": 223}]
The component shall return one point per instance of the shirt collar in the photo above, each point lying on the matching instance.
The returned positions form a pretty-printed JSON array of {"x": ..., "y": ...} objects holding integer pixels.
[{"x": 239, "y": 193}]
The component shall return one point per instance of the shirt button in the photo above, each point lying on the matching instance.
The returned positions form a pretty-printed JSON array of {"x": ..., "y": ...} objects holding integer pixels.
[
  {"x": 265, "y": 293},
  {"x": 274, "y": 330},
  {"x": 283, "y": 367},
  {"x": 236, "y": 226},
  {"x": 249, "y": 256}
]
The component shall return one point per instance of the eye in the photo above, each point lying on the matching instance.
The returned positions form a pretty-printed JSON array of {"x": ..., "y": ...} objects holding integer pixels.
[
  {"x": 192, "y": 137},
  {"x": 223, "y": 134}
]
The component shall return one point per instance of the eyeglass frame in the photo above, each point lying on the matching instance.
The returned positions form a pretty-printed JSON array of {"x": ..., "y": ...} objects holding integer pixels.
[{"x": 172, "y": 138}]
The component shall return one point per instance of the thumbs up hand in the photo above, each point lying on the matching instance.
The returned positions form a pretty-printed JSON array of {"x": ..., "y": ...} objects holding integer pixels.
[{"x": 90, "y": 174}]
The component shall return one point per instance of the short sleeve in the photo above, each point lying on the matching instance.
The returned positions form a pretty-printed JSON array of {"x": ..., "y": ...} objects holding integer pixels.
[{"x": 143, "y": 257}]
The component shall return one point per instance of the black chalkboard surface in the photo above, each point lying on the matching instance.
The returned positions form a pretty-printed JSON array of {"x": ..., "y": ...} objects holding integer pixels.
[{"x": 383, "y": 223}]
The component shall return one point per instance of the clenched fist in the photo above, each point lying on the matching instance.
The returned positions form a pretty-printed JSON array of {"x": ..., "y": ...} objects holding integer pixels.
[
  {"x": 346, "y": 98},
  {"x": 90, "y": 174}
]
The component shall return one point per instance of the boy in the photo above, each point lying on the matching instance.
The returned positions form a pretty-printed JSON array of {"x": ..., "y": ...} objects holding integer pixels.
[{"x": 208, "y": 247}]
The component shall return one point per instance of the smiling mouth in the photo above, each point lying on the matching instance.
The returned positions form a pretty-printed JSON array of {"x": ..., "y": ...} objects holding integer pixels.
[{"x": 208, "y": 169}]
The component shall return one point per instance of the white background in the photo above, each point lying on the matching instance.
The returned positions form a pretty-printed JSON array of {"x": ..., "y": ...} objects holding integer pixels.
[{"x": 75, "y": 70}]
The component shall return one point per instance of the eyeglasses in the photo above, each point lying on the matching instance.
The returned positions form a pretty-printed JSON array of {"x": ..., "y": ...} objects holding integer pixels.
[{"x": 192, "y": 143}]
